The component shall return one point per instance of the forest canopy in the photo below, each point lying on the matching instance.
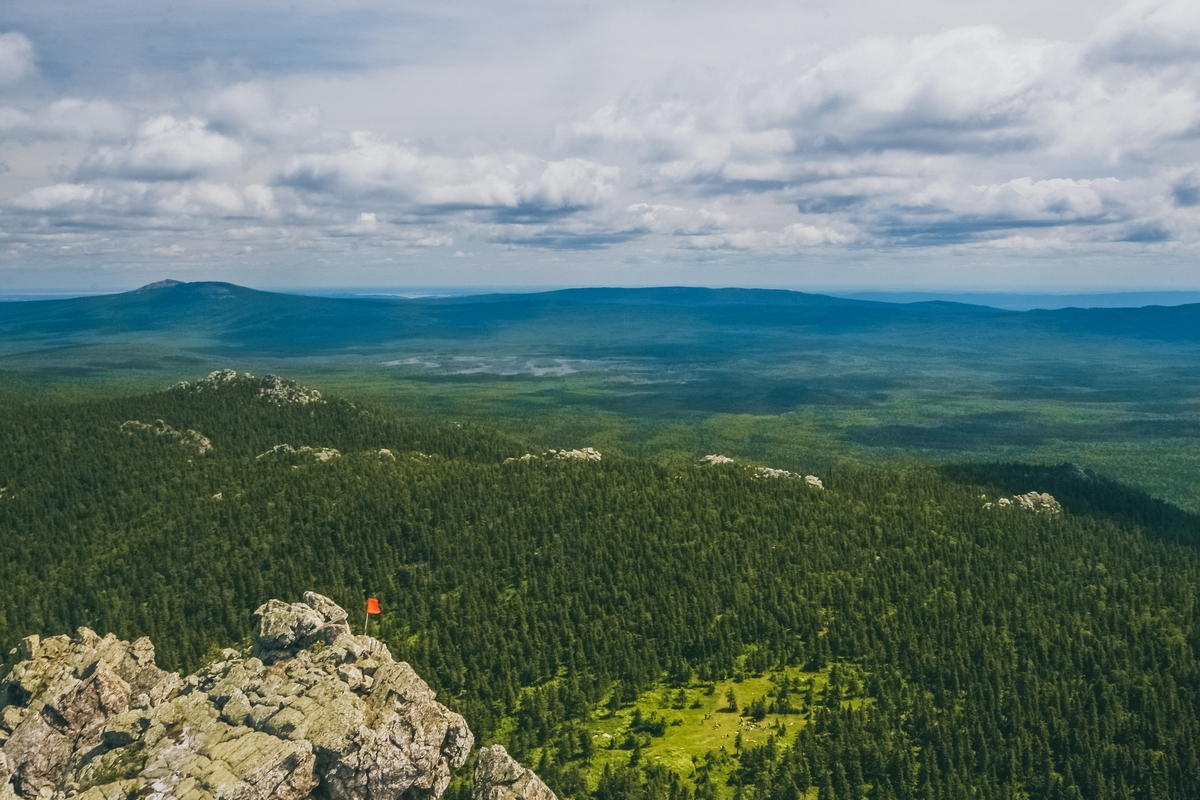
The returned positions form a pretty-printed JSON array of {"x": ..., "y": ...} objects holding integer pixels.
[{"x": 966, "y": 648}]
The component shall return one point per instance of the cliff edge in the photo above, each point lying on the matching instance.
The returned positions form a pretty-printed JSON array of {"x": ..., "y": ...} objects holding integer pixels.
[{"x": 314, "y": 711}]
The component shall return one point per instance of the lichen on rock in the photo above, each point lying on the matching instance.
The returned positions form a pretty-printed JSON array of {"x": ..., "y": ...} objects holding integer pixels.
[
  {"x": 312, "y": 709},
  {"x": 498, "y": 776}
]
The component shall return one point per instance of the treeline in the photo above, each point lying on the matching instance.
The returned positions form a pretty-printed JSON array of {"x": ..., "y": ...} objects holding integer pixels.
[{"x": 1006, "y": 653}]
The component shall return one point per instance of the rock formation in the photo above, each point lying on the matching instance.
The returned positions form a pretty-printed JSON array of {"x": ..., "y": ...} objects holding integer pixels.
[
  {"x": 498, "y": 776},
  {"x": 579, "y": 454},
  {"x": 582, "y": 454},
  {"x": 319, "y": 453},
  {"x": 190, "y": 438},
  {"x": 1037, "y": 502},
  {"x": 313, "y": 710},
  {"x": 271, "y": 388}
]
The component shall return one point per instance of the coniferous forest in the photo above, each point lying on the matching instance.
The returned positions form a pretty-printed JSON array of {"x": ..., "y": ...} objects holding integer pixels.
[{"x": 966, "y": 648}]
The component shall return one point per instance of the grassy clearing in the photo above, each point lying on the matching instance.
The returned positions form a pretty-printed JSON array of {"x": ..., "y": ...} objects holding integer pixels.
[{"x": 697, "y": 720}]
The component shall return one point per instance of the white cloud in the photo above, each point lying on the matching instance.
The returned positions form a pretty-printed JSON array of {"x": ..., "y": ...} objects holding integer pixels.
[
  {"x": 789, "y": 239},
  {"x": 165, "y": 148},
  {"x": 894, "y": 136},
  {"x": 261, "y": 199},
  {"x": 69, "y": 117},
  {"x": 963, "y": 88},
  {"x": 1024, "y": 199},
  {"x": 366, "y": 222},
  {"x": 136, "y": 204},
  {"x": 1149, "y": 33},
  {"x": 367, "y": 165},
  {"x": 16, "y": 56},
  {"x": 873, "y": 136},
  {"x": 60, "y": 195},
  {"x": 673, "y": 220},
  {"x": 251, "y": 108}
]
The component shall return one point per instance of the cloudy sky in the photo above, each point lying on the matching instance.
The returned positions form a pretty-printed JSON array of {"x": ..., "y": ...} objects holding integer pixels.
[{"x": 924, "y": 144}]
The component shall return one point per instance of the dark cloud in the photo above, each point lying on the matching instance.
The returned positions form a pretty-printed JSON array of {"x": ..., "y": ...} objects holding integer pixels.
[
  {"x": 829, "y": 204},
  {"x": 569, "y": 241},
  {"x": 913, "y": 230},
  {"x": 1147, "y": 234},
  {"x": 917, "y": 136},
  {"x": 105, "y": 43},
  {"x": 1186, "y": 195}
]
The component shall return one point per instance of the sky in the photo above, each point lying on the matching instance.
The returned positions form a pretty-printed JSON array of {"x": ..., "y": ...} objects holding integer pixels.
[{"x": 924, "y": 145}]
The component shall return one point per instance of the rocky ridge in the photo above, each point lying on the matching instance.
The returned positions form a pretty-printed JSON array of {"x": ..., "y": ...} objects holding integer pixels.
[
  {"x": 270, "y": 388},
  {"x": 319, "y": 453},
  {"x": 1037, "y": 502},
  {"x": 190, "y": 438},
  {"x": 578, "y": 454},
  {"x": 715, "y": 459},
  {"x": 311, "y": 711}
]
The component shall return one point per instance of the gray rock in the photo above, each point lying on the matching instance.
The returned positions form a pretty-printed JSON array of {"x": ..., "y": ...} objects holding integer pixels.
[
  {"x": 67, "y": 690},
  {"x": 284, "y": 629},
  {"x": 94, "y": 718},
  {"x": 329, "y": 610},
  {"x": 498, "y": 776}
]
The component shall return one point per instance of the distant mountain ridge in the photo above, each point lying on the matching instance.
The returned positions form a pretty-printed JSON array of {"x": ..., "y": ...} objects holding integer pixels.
[
  {"x": 234, "y": 316},
  {"x": 656, "y": 350}
]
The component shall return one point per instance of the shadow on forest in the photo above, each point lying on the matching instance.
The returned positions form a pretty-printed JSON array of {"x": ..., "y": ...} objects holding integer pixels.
[
  {"x": 1082, "y": 491},
  {"x": 1007, "y": 428}
]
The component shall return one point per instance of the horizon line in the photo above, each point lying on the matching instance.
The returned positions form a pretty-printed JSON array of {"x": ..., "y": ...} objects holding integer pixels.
[{"x": 1022, "y": 299}]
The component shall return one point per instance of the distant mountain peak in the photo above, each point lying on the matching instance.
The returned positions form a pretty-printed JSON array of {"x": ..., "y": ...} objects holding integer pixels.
[{"x": 165, "y": 284}]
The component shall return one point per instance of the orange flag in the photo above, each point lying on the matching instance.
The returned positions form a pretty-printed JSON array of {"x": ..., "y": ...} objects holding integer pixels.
[{"x": 373, "y": 606}]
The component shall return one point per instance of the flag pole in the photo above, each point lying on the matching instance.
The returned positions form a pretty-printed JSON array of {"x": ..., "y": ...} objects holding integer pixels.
[{"x": 372, "y": 608}]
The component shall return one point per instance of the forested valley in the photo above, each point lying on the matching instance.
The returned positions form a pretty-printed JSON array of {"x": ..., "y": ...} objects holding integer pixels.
[{"x": 920, "y": 639}]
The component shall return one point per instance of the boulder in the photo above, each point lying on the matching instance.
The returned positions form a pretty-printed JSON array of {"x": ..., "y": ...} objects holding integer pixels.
[
  {"x": 311, "y": 709},
  {"x": 498, "y": 776},
  {"x": 284, "y": 629}
]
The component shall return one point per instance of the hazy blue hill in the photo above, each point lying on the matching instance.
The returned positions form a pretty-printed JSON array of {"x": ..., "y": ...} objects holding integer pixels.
[
  {"x": 772, "y": 350},
  {"x": 231, "y": 318},
  {"x": 215, "y": 312},
  {"x": 726, "y": 349},
  {"x": 1169, "y": 323},
  {"x": 937, "y": 378}
]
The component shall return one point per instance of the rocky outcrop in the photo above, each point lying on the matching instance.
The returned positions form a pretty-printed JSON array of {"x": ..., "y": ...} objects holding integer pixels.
[
  {"x": 498, "y": 776},
  {"x": 312, "y": 710},
  {"x": 60, "y": 697},
  {"x": 271, "y": 388},
  {"x": 319, "y": 453},
  {"x": 283, "y": 392},
  {"x": 1037, "y": 502},
  {"x": 189, "y": 438},
  {"x": 769, "y": 472},
  {"x": 579, "y": 454}
]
